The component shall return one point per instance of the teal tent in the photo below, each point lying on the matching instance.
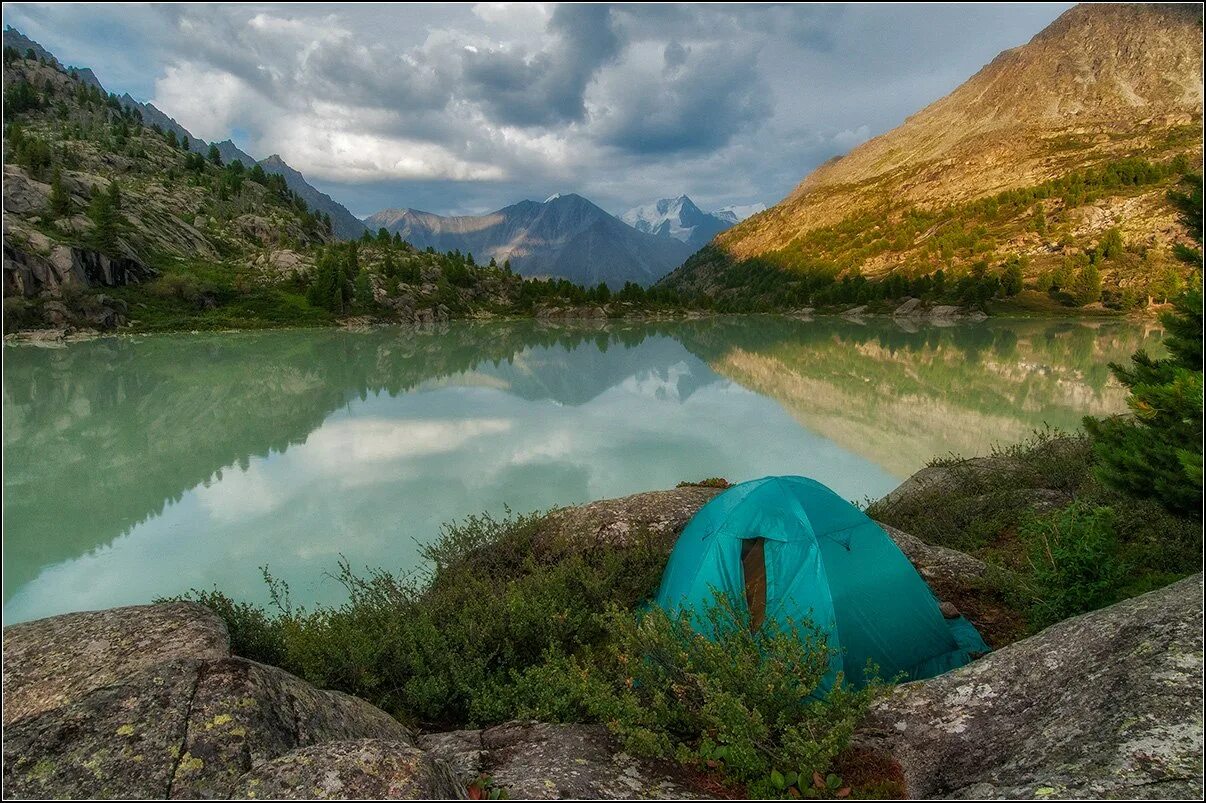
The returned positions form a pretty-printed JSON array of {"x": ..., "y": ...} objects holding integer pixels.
[{"x": 790, "y": 549}]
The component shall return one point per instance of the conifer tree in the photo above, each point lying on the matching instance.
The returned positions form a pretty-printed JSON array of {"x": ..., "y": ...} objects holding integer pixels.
[
  {"x": 1156, "y": 453},
  {"x": 60, "y": 199}
]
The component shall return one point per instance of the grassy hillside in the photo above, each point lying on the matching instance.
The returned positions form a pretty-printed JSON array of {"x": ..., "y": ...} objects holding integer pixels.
[{"x": 1049, "y": 171}]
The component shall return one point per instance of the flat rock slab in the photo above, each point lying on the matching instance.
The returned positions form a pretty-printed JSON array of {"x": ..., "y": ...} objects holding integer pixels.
[
  {"x": 364, "y": 769},
  {"x": 538, "y": 761},
  {"x": 51, "y": 662},
  {"x": 1105, "y": 705}
]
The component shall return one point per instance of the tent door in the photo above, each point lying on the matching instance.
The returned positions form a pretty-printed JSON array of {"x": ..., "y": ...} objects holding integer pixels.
[{"x": 753, "y": 570}]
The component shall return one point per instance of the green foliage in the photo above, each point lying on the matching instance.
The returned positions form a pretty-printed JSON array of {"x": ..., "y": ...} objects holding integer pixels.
[
  {"x": 1156, "y": 453},
  {"x": 1074, "y": 561},
  {"x": 748, "y": 702},
  {"x": 60, "y": 198},
  {"x": 105, "y": 217},
  {"x": 329, "y": 287},
  {"x": 516, "y": 622},
  {"x": 441, "y": 652},
  {"x": 362, "y": 290},
  {"x": 214, "y": 155},
  {"x": 1049, "y": 488}
]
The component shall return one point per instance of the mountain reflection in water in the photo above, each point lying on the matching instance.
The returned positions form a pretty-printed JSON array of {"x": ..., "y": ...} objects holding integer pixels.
[{"x": 143, "y": 466}]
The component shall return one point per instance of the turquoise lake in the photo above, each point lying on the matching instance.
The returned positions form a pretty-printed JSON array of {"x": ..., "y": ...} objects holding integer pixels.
[{"x": 143, "y": 466}]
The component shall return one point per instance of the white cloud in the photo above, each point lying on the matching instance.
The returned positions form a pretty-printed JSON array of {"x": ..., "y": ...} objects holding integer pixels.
[{"x": 472, "y": 107}]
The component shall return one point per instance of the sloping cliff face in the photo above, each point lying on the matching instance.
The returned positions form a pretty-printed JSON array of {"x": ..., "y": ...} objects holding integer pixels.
[{"x": 1104, "y": 82}]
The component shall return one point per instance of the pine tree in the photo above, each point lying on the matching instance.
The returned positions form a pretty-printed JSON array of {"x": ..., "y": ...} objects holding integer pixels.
[
  {"x": 1156, "y": 453},
  {"x": 215, "y": 155},
  {"x": 363, "y": 290},
  {"x": 1086, "y": 287},
  {"x": 103, "y": 215},
  {"x": 60, "y": 198}
]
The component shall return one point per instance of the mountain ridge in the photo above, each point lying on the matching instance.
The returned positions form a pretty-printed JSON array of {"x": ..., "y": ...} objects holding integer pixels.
[
  {"x": 565, "y": 236},
  {"x": 1101, "y": 85},
  {"x": 345, "y": 225},
  {"x": 679, "y": 218}
]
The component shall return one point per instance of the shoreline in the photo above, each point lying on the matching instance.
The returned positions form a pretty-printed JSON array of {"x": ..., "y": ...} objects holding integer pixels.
[{"x": 64, "y": 335}]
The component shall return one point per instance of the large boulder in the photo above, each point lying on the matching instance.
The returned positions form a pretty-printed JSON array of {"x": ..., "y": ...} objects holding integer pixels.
[
  {"x": 364, "y": 769},
  {"x": 147, "y": 701},
  {"x": 538, "y": 761},
  {"x": 52, "y": 662},
  {"x": 662, "y": 514},
  {"x": 1105, "y": 705}
]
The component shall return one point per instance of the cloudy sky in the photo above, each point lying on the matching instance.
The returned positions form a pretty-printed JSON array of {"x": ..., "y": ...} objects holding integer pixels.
[{"x": 467, "y": 108}]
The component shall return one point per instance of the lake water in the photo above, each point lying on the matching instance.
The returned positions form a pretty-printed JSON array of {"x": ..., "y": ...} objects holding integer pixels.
[{"x": 137, "y": 467}]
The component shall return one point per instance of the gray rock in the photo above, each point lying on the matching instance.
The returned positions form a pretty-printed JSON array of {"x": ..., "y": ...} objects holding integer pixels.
[
  {"x": 52, "y": 662},
  {"x": 1106, "y": 705},
  {"x": 537, "y": 761},
  {"x": 114, "y": 741},
  {"x": 24, "y": 195},
  {"x": 662, "y": 514},
  {"x": 148, "y": 702},
  {"x": 910, "y": 308},
  {"x": 243, "y": 713},
  {"x": 364, "y": 769},
  {"x": 945, "y": 311}
]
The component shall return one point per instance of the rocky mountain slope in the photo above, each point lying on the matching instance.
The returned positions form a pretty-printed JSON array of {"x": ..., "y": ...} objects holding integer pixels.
[
  {"x": 1038, "y": 156},
  {"x": 113, "y": 220},
  {"x": 566, "y": 236},
  {"x": 93, "y": 196},
  {"x": 344, "y": 224},
  {"x": 679, "y": 218}
]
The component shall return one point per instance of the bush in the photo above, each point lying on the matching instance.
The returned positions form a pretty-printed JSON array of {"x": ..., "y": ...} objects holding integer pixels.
[
  {"x": 749, "y": 703},
  {"x": 437, "y": 652},
  {"x": 1075, "y": 563}
]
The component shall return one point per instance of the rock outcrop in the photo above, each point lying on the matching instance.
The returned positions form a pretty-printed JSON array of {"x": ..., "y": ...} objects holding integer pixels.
[
  {"x": 662, "y": 514},
  {"x": 954, "y": 576},
  {"x": 1104, "y": 705},
  {"x": 147, "y": 701},
  {"x": 537, "y": 761}
]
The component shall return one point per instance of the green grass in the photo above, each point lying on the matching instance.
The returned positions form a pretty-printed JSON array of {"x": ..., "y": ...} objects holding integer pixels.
[{"x": 1045, "y": 491}]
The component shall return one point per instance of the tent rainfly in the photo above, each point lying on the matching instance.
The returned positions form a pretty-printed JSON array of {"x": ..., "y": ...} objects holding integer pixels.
[{"x": 788, "y": 549}]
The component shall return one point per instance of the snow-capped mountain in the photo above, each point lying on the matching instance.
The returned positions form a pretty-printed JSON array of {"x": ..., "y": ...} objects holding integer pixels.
[{"x": 680, "y": 219}]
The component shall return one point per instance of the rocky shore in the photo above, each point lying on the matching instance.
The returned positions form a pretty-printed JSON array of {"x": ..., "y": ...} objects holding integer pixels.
[{"x": 148, "y": 701}]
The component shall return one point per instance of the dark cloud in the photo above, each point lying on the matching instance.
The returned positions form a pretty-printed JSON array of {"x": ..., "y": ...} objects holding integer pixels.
[
  {"x": 545, "y": 87},
  {"x": 675, "y": 55},
  {"x": 713, "y": 93}
]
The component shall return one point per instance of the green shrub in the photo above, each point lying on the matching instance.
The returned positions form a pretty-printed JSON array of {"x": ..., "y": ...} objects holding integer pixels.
[
  {"x": 436, "y": 650},
  {"x": 970, "y": 503},
  {"x": 1075, "y": 563},
  {"x": 749, "y": 703}
]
